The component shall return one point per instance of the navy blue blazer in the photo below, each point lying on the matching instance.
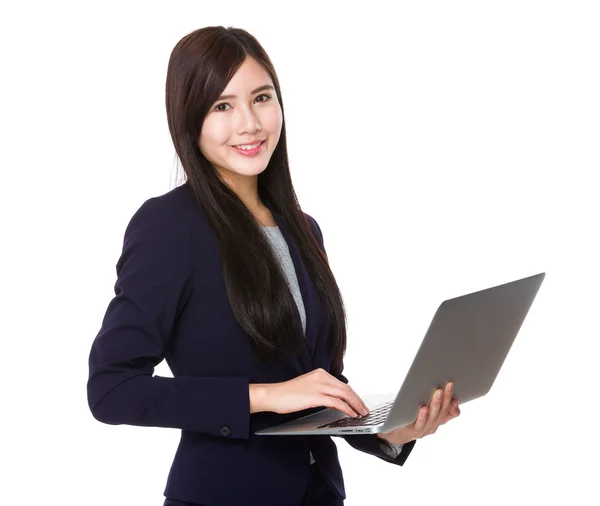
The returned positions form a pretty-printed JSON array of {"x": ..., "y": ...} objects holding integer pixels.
[{"x": 171, "y": 303}]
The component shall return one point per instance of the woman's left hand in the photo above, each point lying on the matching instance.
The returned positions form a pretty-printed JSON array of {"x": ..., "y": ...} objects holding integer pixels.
[{"x": 442, "y": 409}]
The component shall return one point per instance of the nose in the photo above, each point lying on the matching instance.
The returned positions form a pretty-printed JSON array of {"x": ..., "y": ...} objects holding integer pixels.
[{"x": 247, "y": 121}]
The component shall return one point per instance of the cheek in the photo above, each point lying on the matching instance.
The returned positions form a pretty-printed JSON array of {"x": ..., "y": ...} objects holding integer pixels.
[
  {"x": 213, "y": 136},
  {"x": 274, "y": 121}
]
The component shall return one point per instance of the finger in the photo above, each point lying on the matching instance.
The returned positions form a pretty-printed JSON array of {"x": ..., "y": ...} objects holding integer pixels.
[
  {"x": 447, "y": 399},
  {"x": 434, "y": 410},
  {"x": 335, "y": 403},
  {"x": 361, "y": 404},
  {"x": 455, "y": 408},
  {"x": 421, "y": 419},
  {"x": 345, "y": 393},
  {"x": 449, "y": 417},
  {"x": 454, "y": 411}
]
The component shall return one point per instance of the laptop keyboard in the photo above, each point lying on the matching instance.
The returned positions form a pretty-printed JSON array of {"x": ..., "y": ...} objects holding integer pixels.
[{"x": 375, "y": 417}]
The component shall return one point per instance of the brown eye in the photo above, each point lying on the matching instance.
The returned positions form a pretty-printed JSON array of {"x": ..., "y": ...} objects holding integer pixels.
[{"x": 219, "y": 109}]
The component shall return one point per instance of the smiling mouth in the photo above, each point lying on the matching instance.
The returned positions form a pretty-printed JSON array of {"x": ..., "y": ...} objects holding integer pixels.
[
  {"x": 248, "y": 144},
  {"x": 249, "y": 152}
]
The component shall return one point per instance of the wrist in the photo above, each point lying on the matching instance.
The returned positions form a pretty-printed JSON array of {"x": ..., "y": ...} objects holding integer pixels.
[
  {"x": 258, "y": 397},
  {"x": 382, "y": 437},
  {"x": 385, "y": 438}
]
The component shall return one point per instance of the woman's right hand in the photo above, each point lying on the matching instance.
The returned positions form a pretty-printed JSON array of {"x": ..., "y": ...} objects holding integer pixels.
[{"x": 315, "y": 389}]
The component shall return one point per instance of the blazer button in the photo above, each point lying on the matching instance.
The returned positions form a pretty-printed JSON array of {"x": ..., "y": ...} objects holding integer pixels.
[{"x": 225, "y": 431}]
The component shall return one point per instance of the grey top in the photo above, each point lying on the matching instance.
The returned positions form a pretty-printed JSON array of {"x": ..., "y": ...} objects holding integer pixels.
[{"x": 282, "y": 252}]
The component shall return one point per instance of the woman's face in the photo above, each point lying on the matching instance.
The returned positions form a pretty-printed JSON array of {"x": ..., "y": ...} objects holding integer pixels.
[{"x": 252, "y": 115}]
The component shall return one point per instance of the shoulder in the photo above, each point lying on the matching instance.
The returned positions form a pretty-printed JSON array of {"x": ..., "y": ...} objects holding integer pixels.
[
  {"x": 178, "y": 201},
  {"x": 316, "y": 229},
  {"x": 313, "y": 223},
  {"x": 157, "y": 244},
  {"x": 163, "y": 217}
]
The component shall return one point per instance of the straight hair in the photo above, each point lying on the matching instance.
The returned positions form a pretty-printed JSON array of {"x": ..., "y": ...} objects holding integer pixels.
[{"x": 200, "y": 66}]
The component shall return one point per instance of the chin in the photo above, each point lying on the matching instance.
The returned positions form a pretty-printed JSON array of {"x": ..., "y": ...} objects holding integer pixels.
[{"x": 249, "y": 172}]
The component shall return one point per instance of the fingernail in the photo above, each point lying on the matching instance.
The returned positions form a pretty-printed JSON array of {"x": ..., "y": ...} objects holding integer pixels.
[
  {"x": 365, "y": 411},
  {"x": 438, "y": 394},
  {"x": 450, "y": 387}
]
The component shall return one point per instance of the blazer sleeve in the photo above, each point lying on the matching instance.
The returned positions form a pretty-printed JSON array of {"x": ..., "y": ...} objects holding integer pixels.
[
  {"x": 154, "y": 283},
  {"x": 367, "y": 443}
]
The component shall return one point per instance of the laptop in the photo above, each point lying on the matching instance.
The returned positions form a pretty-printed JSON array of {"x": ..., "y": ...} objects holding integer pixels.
[{"x": 467, "y": 342}]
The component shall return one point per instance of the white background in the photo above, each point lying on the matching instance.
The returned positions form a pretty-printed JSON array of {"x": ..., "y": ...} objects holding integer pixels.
[{"x": 443, "y": 147}]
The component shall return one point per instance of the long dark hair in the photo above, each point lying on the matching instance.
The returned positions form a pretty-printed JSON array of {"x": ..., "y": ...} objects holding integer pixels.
[{"x": 200, "y": 66}]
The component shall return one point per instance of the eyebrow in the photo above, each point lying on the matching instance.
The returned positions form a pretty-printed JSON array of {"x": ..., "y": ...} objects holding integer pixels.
[{"x": 255, "y": 90}]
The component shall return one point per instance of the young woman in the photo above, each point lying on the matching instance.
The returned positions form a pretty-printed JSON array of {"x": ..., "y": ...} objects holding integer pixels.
[{"x": 227, "y": 279}]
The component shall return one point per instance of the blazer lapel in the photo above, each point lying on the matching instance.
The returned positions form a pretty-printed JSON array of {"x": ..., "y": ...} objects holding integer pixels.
[{"x": 308, "y": 290}]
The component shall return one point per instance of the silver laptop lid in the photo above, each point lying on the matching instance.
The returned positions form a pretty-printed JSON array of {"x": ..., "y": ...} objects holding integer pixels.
[{"x": 467, "y": 343}]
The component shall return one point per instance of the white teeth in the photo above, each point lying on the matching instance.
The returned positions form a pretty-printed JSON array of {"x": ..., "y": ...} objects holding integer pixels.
[{"x": 247, "y": 146}]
